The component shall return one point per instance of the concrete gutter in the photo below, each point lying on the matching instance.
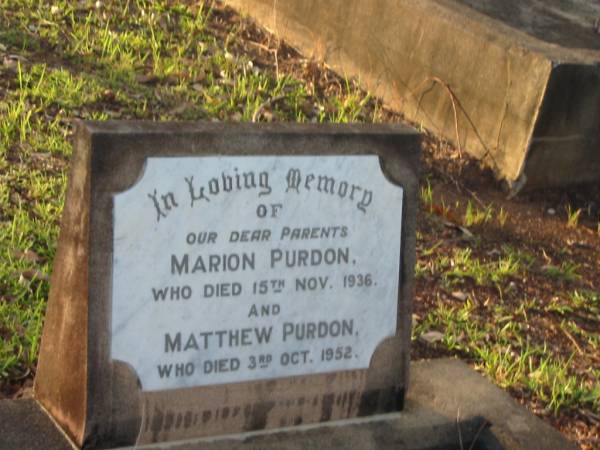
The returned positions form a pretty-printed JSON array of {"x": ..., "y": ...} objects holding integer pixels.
[{"x": 516, "y": 83}]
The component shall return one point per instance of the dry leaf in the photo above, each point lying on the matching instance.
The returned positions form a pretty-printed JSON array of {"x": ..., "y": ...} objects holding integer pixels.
[
  {"x": 147, "y": 78},
  {"x": 458, "y": 295},
  {"x": 431, "y": 337},
  {"x": 30, "y": 274}
]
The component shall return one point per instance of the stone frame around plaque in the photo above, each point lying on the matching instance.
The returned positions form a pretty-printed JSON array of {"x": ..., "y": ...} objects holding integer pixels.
[{"x": 97, "y": 401}]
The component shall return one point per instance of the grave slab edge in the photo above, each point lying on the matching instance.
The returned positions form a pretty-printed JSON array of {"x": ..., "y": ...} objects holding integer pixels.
[{"x": 426, "y": 59}]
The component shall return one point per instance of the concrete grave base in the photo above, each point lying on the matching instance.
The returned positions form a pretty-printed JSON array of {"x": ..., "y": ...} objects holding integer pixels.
[
  {"x": 449, "y": 406},
  {"x": 515, "y": 82}
]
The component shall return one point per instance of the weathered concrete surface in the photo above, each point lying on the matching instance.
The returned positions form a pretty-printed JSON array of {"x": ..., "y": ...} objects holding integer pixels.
[
  {"x": 25, "y": 426},
  {"x": 567, "y": 23},
  {"x": 61, "y": 374},
  {"x": 441, "y": 391},
  {"x": 523, "y": 76}
]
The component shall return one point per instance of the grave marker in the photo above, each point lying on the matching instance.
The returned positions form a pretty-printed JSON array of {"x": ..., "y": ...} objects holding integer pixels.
[{"x": 215, "y": 279}]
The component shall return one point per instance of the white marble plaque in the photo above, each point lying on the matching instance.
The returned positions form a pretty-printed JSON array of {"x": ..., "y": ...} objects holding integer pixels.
[{"x": 230, "y": 269}]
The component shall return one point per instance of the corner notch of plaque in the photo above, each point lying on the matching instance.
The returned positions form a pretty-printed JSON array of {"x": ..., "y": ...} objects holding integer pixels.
[{"x": 232, "y": 269}]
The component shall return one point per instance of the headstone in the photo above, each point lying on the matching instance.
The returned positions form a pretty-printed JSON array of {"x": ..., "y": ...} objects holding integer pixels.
[{"x": 220, "y": 278}]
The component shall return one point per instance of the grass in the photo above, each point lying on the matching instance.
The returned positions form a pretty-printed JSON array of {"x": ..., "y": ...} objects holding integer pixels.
[
  {"x": 427, "y": 195},
  {"x": 461, "y": 265},
  {"x": 502, "y": 217},
  {"x": 476, "y": 216},
  {"x": 483, "y": 298},
  {"x": 541, "y": 348},
  {"x": 503, "y": 351},
  {"x": 156, "y": 60},
  {"x": 566, "y": 271},
  {"x": 573, "y": 217}
]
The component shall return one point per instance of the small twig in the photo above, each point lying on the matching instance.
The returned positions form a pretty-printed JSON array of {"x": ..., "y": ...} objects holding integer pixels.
[
  {"x": 456, "y": 104},
  {"x": 260, "y": 109},
  {"x": 481, "y": 428},
  {"x": 273, "y": 51},
  {"x": 276, "y": 63},
  {"x": 590, "y": 415},
  {"x": 475, "y": 197},
  {"x": 460, "y": 440},
  {"x": 459, "y": 187},
  {"x": 262, "y": 46},
  {"x": 23, "y": 376},
  {"x": 453, "y": 100},
  {"x": 572, "y": 339},
  {"x": 275, "y": 34}
]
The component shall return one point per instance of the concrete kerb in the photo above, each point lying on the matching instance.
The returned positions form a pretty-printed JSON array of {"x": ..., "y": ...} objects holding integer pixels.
[
  {"x": 449, "y": 406},
  {"x": 515, "y": 83}
]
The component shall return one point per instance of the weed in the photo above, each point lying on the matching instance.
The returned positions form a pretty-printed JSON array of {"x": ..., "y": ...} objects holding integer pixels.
[
  {"x": 421, "y": 270},
  {"x": 464, "y": 265},
  {"x": 524, "y": 258},
  {"x": 427, "y": 195},
  {"x": 550, "y": 380},
  {"x": 567, "y": 271},
  {"x": 573, "y": 217},
  {"x": 558, "y": 307},
  {"x": 586, "y": 300},
  {"x": 475, "y": 216},
  {"x": 502, "y": 217}
]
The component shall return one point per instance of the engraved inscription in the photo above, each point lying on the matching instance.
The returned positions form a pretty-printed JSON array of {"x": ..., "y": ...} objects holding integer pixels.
[{"x": 239, "y": 268}]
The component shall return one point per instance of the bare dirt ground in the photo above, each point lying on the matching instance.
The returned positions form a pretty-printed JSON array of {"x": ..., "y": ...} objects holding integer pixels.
[{"x": 537, "y": 225}]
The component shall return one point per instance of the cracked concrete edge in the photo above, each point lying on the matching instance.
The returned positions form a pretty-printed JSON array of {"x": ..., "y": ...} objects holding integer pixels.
[
  {"x": 24, "y": 425},
  {"x": 66, "y": 437},
  {"x": 473, "y": 395}
]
